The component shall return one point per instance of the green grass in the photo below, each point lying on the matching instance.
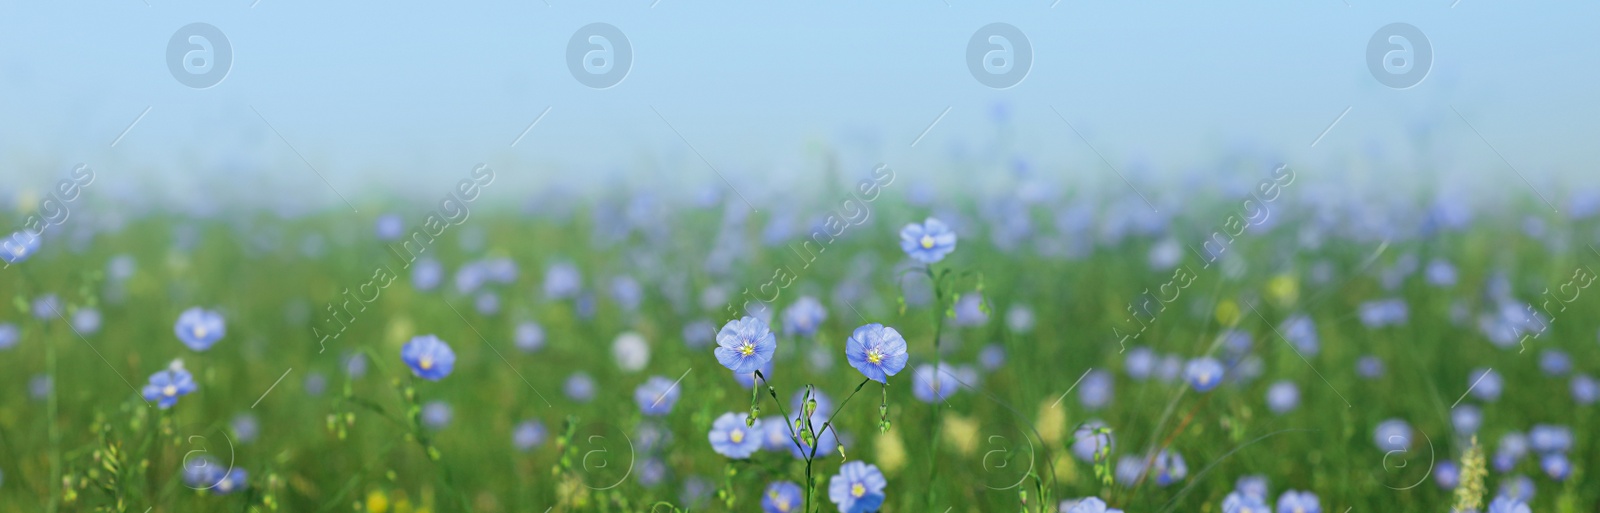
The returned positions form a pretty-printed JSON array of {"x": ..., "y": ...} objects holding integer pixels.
[{"x": 360, "y": 438}]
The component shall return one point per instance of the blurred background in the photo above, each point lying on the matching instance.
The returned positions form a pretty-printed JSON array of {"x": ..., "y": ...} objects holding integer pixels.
[{"x": 383, "y": 98}]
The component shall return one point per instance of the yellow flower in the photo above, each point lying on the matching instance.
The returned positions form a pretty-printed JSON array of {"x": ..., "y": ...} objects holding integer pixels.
[
  {"x": 377, "y": 502},
  {"x": 1227, "y": 312},
  {"x": 961, "y": 433},
  {"x": 1283, "y": 289},
  {"x": 891, "y": 452},
  {"x": 1052, "y": 423}
]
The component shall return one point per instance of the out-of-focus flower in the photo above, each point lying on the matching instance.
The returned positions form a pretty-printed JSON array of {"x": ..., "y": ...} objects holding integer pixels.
[
  {"x": 529, "y": 336},
  {"x": 562, "y": 281},
  {"x": 656, "y": 396},
  {"x": 1486, "y": 384},
  {"x": 436, "y": 414},
  {"x": 167, "y": 386},
  {"x": 1293, "y": 501},
  {"x": 782, "y": 497},
  {"x": 199, "y": 328},
  {"x": 579, "y": 387},
  {"x": 631, "y": 351},
  {"x": 1203, "y": 373},
  {"x": 1096, "y": 390},
  {"x": 1283, "y": 397},
  {"x": 18, "y": 247},
  {"x": 804, "y": 317},
  {"x": 1393, "y": 435},
  {"x": 427, "y": 274},
  {"x": 428, "y": 357},
  {"x": 732, "y": 438},
  {"x": 390, "y": 227},
  {"x": 928, "y": 242},
  {"x": 528, "y": 434}
]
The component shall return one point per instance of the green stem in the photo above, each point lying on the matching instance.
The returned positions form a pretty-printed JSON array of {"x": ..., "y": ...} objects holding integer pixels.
[{"x": 938, "y": 332}]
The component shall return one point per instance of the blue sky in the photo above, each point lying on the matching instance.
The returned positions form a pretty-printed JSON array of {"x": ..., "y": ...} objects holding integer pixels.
[{"x": 382, "y": 96}]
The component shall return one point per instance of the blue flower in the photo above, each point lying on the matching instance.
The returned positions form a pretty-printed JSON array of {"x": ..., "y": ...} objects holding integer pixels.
[
  {"x": 18, "y": 247},
  {"x": 627, "y": 292},
  {"x": 1440, "y": 273},
  {"x": 427, "y": 274},
  {"x": 775, "y": 434},
  {"x": 202, "y": 472},
  {"x": 1240, "y": 502},
  {"x": 1486, "y": 384},
  {"x": 1384, "y": 312},
  {"x": 827, "y": 441},
  {"x": 651, "y": 472},
  {"x": 1169, "y": 467},
  {"x": 1203, "y": 373},
  {"x": 579, "y": 387},
  {"x": 86, "y": 321},
  {"x": 745, "y": 345},
  {"x": 529, "y": 434},
  {"x": 732, "y": 438},
  {"x": 1546, "y": 438},
  {"x": 1086, "y": 441},
  {"x": 529, "y": 337},
  {"x": 167, "y": 386},
  {"x": 1092, "y": 505},
  {"x": 9, "y": 335},
  {"x": 1283, "y": 397},
  {"x": 1556, "y": 466},
  {"x": 782, "y": 497},
  {"x": 234, "y": 480},
  {"x": 858, "y": 488},
  {"x": 199, "y": 328},
  {"x": 1508, "y": 505},
  {"x": 931, "y": 387},
  {"x": 699, "y": 333},
  {"x": 1298, "y": 502},
  {"x": 1393, "y": 435},
  {"x": 436, "y": 414},
  {"x": 1369, "y": 367},
  {"x": 1466, "y": 418},
  {"x": 1555, "y": 362},
  {"x": 1299, "y": 330},
  {"x": 389, "y": 227},
  {"x": 656, "y": 396},
  {"x": 804, "y": 317},
  {"x": 928, "y": 242},
  {"x": 1130, "y": 468},
  {"x": 748, "y": 379},
  {"x": 355, "y": 364},
  {"x": 245, "y": 428},
  {"x": 1518, "y": 487},
  {"x": 1096, "y": 390},
  {"x": 650, "y": 435},
  {"x": 1585, "y": 390},
  {"x": 562, "y": 281},
  {"x": 877, "y": 351},
  {"x": 970, "y": 311},
  {"x": 1140, "y": 363},
  {"x": 992, "y": 357},
  {"x": 1447, "y": 474},
  {"x": 1254, "y": 485},
  {"x": 428, "y": 357},
  {"x": 1020, "y": 319}
]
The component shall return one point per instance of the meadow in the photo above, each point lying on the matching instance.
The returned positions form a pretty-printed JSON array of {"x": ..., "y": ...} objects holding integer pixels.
[{"x": 1232, "y": 350}]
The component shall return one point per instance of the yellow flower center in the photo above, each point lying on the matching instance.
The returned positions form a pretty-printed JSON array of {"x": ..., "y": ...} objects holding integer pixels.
[
  {"x": 736, "y": 435},
  {"x": 170, "y": 390},
  {"x": 783, "y": 504},
  {"x": 199, "y": 331},
  {"x": 927, "y": 242},
  {"x": 747, "y": 349},
  {"x": 426, "y": 363},
  {"x": 857, "y": 490},
  {"x": 1299, "y": 509},
  {"x": 874, "y": 356}
]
